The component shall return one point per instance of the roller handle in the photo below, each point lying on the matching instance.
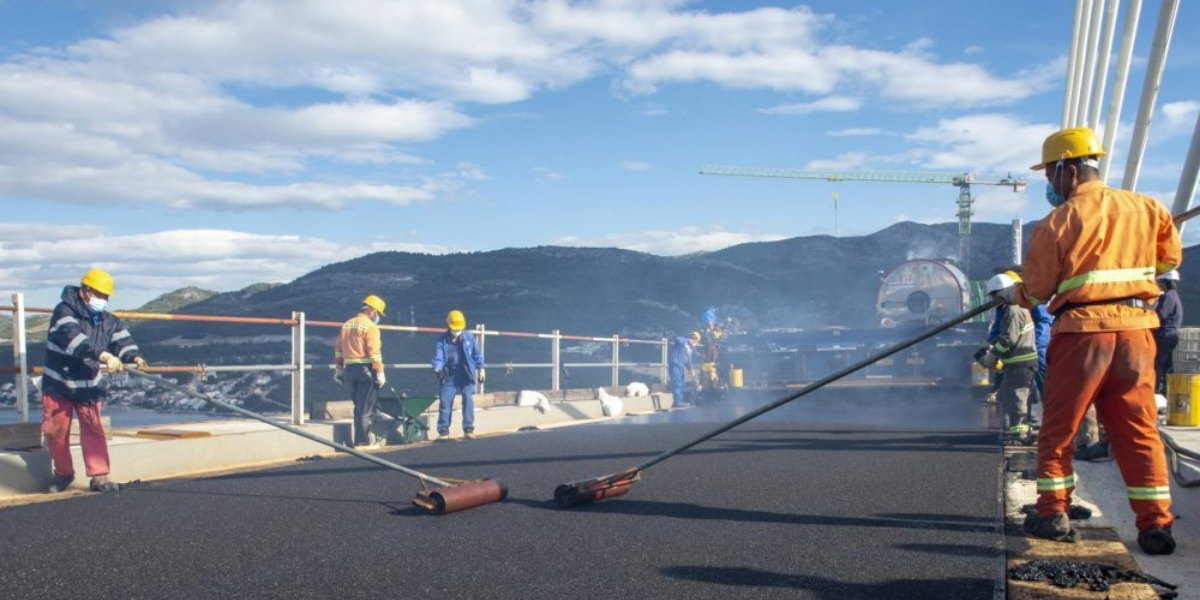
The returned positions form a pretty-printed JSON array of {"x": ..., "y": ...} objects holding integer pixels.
[
  {"x": 870, "y": 360},
  {"x": 288, "y": 428}
]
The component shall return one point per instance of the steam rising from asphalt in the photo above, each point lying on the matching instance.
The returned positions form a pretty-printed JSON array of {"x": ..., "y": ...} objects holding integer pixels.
[{"x": 899, "y": 408}]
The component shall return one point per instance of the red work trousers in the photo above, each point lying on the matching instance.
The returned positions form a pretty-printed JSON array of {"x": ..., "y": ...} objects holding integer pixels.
[
  {"x": 1115, "y": 371},
  {"x": 56, "y": 425}
]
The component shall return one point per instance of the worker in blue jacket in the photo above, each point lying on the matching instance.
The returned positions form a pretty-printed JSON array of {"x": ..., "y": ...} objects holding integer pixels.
[
  {"x": 1166, "y": 337},
  {"x": 84, "y": 341},
  {"x": 458, "y": 363},
  {"x": 679, "y": 364}
]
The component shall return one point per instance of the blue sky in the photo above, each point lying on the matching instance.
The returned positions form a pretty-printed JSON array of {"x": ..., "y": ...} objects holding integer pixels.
[{"x": 223, "y": 143}]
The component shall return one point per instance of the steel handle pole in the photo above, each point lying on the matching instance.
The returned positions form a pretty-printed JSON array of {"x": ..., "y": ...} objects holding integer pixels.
[
  {"x": 870, "y": 360},
  {"x": 288, "y": 428}
]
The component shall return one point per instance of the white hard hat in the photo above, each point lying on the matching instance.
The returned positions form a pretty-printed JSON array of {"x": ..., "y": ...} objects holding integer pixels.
[
  {"x": 1172, "y": 275},
  {"x": 999, "y": 282}
]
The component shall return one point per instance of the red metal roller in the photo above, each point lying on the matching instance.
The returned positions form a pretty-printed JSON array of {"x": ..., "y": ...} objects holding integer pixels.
[
  {"x": 575, "y": 494},
  {"x": 462, "y": 496}
]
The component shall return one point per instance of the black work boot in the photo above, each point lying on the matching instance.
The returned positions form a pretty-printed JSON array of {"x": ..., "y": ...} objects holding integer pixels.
[
  {"x": 1098, "y": 452},
  {"x": 60, "y": 483},
  {"x": 101, "y": 483},
  {"x": 1157, "y": 540},
  {"x": 1057, "y": 527}
]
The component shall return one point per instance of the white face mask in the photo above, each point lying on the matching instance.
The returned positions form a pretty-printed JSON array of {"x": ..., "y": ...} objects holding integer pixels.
[
  {"x": 376, "y": 319},
  {"x": 456, "y": 332},
  {"x": 97, "y": 304}
]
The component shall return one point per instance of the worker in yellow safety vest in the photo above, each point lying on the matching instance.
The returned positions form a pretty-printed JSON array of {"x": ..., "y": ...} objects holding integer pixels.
[{"x": 358, "y": 362}]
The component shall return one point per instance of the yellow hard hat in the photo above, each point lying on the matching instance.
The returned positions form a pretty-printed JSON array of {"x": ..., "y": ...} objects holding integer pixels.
[
  {"x": 695, "y": 336},
  {"x": 456, "y": 320},
  {"x": 98, "y": 280},
  {"x": 1069, "y": 143},
  {"x": 376, "y": 303}
]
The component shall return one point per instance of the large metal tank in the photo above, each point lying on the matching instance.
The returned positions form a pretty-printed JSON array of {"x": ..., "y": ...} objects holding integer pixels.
[{"x": 921, "y": 292}]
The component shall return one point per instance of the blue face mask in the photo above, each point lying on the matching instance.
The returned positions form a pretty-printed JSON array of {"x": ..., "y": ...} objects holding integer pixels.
[
  {"x": 97, "y": 305},
  {"x": 1054, "y": 198},
  {"x": 376, "y": 319}
]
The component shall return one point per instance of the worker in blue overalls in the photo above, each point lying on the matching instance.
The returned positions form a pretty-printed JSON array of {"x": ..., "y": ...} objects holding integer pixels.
[
  {"x": 680, "y": 366},
  {"x": 458, "y": 363}
]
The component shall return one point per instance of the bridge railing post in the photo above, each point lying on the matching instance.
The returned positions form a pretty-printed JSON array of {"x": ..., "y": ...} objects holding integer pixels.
[
  {"x": 555, "y": 360},
  {"x": 20, "y": 359},
  {"x": 481, "y": 339},
  {"x": 616, "y": 361},
  {"x": 662, "y": 368},
  {"x": 298, "y": 368}
]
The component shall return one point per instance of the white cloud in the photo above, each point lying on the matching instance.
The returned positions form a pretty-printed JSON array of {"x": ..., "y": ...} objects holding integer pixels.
[
  {"x": 855, "y": 132},
  {"x": 146, "y": 265},
  {"x": 844, "y": 162},
  {"x": 989, "y": 142},
  {"x": 636, "y": 165},
  {"x": 827, "y": 104},
  {"x": 1181, "y": 114},
  {"x": 672, "y": 243},
  {"x": 185, "y": 109},
  {"x": 997, "y": 203},
  {"x": 545, "y": 175}
]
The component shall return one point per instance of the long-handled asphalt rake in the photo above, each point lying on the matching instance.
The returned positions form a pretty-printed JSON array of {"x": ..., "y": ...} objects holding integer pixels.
[
  {"x": 448, "y": 495},
  {"x": 617, "y": 484}
]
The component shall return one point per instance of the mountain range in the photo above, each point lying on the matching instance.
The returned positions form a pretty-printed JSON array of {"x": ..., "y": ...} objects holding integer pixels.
[{"x": 804, "y": 282}]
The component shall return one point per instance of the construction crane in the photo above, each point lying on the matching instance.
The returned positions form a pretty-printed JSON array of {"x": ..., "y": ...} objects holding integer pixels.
[{"x": 962, "y": 181}]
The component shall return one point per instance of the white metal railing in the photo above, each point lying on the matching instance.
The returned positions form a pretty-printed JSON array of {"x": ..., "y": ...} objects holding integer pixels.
[{"x": 299, "y": 326}]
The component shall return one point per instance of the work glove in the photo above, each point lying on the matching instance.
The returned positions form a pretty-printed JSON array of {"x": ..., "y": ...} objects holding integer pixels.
[
  {"x": 113, "y": 363},
  {"x": 140, "y": 363},
  {"x": 482, "y": 375},
  {"x": 339, "y": 376},
  {"x": 1008, "y": 294},
  {"x": 989, "y": 360},
  {"x": 380, "y": 379}
]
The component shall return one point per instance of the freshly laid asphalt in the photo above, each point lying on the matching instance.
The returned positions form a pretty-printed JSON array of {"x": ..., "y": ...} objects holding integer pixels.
[{"x": 792, "y": 506}]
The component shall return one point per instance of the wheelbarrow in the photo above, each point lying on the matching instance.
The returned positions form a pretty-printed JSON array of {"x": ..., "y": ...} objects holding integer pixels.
[{"x": 403, "y": 416}]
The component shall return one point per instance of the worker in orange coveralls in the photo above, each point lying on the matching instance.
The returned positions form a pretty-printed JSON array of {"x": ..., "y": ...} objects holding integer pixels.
[{"x": 1094, "y": 260}]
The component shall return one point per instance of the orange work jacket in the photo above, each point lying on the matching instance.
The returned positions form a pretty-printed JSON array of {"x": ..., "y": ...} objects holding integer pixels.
[
  {"x": 358, "y": 344},
  {"x": 1102, "y": 244}
]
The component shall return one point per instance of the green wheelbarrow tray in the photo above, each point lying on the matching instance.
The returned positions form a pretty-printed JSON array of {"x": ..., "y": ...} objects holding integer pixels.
[{"x": 403, "y": 413}]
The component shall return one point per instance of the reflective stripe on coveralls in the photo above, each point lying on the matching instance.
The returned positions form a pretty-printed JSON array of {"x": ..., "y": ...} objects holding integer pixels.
[{"x": 1107, "y": 276}]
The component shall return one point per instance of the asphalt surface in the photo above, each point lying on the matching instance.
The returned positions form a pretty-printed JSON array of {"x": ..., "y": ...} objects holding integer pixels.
[{"x": 785, "y": 507}]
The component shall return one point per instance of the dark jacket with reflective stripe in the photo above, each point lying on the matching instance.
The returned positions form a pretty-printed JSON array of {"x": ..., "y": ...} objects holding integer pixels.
[
  {"x": 76, "y": 338},
  {"x": 1015, "y": 342}
]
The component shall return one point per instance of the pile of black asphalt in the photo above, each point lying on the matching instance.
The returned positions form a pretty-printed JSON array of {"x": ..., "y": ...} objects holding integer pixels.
[{"x": 770, "y": 509}]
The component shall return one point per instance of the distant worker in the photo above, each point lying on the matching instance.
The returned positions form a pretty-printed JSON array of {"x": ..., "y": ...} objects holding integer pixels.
[
  {"x": 680, "y": 367},
  {"x": 1166, "y": 337},
  {"x": 710, "y": 355},
  {"x": 83, "y": 337},
  {"x": 358, "y": 359},
  {"x": 1014, "y": 344},
  {"x": 1042, "y": 323},
  {"x": 1094, "y": 259},
  {"x": 458, "y": 364}
]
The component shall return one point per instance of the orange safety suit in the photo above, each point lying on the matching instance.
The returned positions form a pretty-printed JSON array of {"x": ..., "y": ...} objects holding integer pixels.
[
  {"x": 358, "y": 344},
  {"x": 1102, "y": 245}
]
